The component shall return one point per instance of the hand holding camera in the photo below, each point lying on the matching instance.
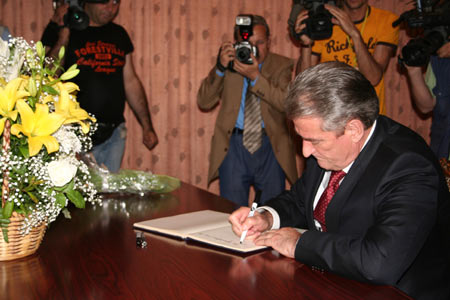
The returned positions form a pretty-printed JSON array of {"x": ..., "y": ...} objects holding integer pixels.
[
  {"x": 242, "y": 56},
  {"x": 61, "y": 9},
  {"x": 226, "y": 54}
]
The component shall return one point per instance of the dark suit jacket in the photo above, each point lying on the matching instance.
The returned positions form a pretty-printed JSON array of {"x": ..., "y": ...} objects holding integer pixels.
[
  {"x": 271, "y": 88},
  {"x": 388, "y": 223}
]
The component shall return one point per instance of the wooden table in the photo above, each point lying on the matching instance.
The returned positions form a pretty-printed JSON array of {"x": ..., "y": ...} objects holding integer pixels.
[{"x": 94, "y": 256}]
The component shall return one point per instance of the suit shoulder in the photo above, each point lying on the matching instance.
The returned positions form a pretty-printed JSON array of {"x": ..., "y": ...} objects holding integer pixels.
[
  {"x": 279, "y": 59},
  {"x": 398, "y": 141}
]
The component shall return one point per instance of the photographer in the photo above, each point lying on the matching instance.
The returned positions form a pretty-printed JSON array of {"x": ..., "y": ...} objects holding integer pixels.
[
  {"x": 102, "y": 50},
  {"x": 362, "y": 37},
  {"x": 433, "y": 95},
  {"x": 238, "y": 157}
]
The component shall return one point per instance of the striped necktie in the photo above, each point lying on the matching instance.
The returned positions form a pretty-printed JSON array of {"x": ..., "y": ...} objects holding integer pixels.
[{"x": 252, "y": 138}]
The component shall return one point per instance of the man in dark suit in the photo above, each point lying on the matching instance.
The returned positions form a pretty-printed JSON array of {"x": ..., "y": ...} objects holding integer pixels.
[
  {"x": 388, "y": 220},
  {"x": 265, "y": 77}
]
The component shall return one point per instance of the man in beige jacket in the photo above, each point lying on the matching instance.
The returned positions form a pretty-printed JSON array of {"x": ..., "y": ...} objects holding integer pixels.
[{"x": 267, "y": 76}]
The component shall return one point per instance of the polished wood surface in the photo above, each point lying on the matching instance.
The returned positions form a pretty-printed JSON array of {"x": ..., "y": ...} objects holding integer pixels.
[{"x": 94, "y": 256}]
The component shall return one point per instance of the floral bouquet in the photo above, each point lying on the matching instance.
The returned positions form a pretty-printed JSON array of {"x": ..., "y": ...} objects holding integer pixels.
[{"x": 43, "y": 130}]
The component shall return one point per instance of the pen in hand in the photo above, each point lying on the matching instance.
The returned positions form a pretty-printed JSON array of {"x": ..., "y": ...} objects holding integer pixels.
[{"x": 251, "y": 213}]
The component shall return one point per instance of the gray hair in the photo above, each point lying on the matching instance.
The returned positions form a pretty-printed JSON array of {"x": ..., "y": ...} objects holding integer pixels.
[{"x": 334, "y": 92}]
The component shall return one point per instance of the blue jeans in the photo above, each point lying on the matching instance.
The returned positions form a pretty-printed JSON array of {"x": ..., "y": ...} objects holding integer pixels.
[
  {"x": 240, "y": 170},
  {"x": 110, "y": 152}
]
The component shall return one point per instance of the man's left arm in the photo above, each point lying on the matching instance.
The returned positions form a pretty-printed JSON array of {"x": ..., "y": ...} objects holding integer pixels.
[
  {"x": 138, "y": 102},
  {"x": 404, "y": 207}
]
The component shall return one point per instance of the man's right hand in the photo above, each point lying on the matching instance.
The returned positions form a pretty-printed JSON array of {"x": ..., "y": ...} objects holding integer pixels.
[
  {"x": 444, "y": 51},
  {"x": 300, "y": 26},
  {"x": 226, "y": 53},
  {"x": 255, "y": 225},
  {"x": 60, "y": 11}
]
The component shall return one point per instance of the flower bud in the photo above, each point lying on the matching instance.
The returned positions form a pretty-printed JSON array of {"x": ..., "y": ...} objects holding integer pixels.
[
  {"x": 40, "y": 49},
  {"x": 69, "y": 74},
  {"x": 61, "y": 53},
  {"x": 32, "y": 87}
]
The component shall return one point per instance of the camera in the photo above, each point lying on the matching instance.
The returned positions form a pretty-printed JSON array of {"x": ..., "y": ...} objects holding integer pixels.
[
  {"x": 433, "y": 18},
  {"x": 244, "y": 49},
  {"x": 318, "y": 23},
  {"x": 76, "y": 18}
]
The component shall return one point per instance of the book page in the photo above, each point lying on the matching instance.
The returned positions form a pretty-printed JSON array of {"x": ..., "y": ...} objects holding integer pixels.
[
  {"x": 185, "y": 224},
  {"x": 224, "y": 237}
]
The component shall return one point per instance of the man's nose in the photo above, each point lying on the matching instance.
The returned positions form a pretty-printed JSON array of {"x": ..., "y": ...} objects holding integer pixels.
[{"x": 307, "y": 148}]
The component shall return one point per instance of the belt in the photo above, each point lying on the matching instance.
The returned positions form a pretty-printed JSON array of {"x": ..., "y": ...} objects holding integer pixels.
[{"x": 241, "y": 131}]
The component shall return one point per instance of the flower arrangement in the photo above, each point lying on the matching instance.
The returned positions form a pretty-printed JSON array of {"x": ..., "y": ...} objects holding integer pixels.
[{"x": 42, "y": 130}]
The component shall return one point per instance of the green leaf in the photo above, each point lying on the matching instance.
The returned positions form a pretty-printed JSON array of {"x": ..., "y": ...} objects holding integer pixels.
[
  {"x": 7, "y": 210},
  {"x": 5, "y": 221},
  {"x": 69, "y": 187},
  {"x": 33, "y": 197},
  {"x": 61, "y": 199},
  {"x": 24, "y": 151},
  {"x": 49, "y": 90},
  {"x": 5, "y": 235},
  {"x": 76, "y": 198}
]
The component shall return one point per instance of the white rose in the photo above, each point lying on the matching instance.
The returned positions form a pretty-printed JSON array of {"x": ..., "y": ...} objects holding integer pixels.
[{"x": 61, "y": 171}]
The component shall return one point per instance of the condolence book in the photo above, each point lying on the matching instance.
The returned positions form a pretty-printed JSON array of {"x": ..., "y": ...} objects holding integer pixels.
[{"x": 206, "y": 226}]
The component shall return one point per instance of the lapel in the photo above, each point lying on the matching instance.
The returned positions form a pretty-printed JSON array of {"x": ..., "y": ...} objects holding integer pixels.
[
  {"x": 267, "y": 67},
  {"x": 354, "y": 176}
]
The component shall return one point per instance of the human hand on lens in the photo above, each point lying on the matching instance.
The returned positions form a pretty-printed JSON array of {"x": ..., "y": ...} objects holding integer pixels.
[
  {"x": 300, "y": 26},
  {"x": 226, "y": 53},
  {"x": 250, "y": 71}
]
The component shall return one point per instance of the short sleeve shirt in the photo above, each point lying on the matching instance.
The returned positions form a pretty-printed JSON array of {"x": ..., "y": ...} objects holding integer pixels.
[{"x": 377, "y": 30}]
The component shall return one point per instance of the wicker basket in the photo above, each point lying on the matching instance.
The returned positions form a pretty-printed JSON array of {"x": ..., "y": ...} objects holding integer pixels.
[{"x": 20, "y": 245}]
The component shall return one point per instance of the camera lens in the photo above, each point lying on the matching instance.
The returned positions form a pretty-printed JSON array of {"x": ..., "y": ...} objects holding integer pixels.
[
  {"x": 243, "y": 54},
  {"x": 76, "y": 18}
]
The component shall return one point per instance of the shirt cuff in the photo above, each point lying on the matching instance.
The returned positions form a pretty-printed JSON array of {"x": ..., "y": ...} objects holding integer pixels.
[
  {"x": 275, "y": 216},
  {"x": 220, "y": 74}
]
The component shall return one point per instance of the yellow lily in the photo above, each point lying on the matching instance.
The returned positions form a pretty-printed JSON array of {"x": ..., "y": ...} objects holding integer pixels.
[
  {"x": 38, "y": 126},
  {"x": 8, "y": 97},
  {"x": 71, "y": 110}
]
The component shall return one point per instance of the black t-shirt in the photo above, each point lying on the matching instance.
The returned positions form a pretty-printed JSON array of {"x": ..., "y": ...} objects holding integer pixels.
[{"x": 100, "y": 54}]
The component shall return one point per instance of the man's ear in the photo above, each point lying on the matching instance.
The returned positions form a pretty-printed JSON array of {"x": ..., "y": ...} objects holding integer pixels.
[{"x": 354, "y": 129}]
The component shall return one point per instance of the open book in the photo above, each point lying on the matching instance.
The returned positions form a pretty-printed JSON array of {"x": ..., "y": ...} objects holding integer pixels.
[{"x": 206, "y": 226}]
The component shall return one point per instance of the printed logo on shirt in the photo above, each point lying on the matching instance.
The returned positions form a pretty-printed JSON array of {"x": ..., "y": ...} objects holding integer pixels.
[
  {"x": 101, "y": 57},
  {"x": 342, "y": 51}
]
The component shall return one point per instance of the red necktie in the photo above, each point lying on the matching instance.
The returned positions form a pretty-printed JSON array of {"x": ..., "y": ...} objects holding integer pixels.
[{"x": 325, "y": 198}]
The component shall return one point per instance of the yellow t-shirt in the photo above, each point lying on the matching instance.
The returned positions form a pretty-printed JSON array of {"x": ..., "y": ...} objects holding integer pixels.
[{"x": 377, "y": 30}]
